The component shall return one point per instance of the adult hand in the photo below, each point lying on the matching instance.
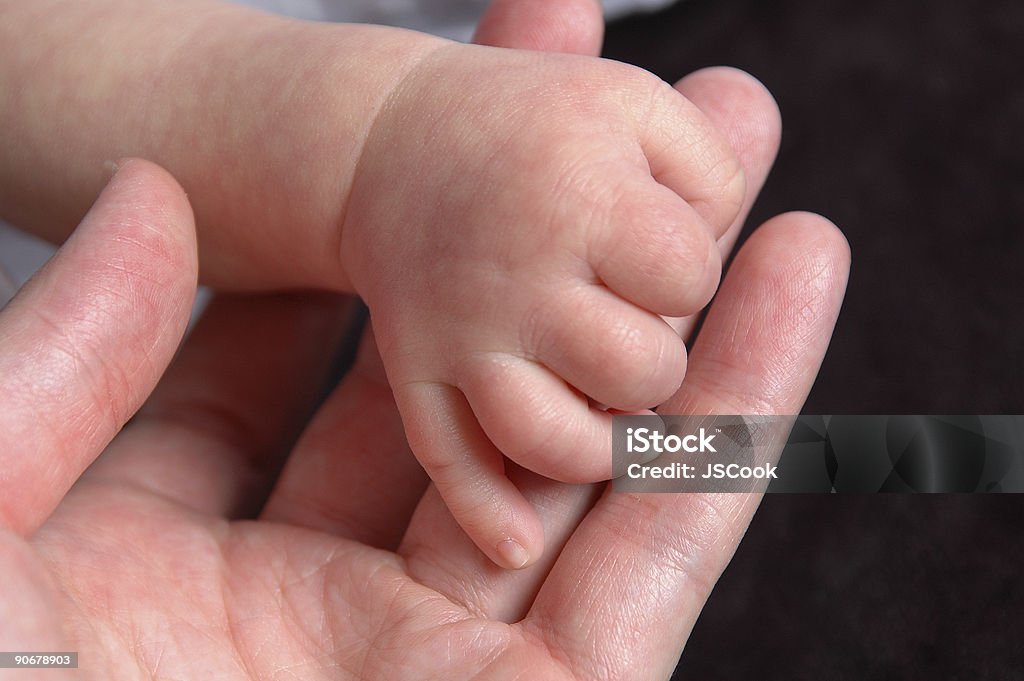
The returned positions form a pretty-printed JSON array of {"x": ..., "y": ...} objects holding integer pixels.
[{"x": 350, "y": 570}]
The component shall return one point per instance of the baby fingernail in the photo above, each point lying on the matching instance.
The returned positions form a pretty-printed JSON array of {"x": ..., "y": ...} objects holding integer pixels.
[{"x": 512, "y": 554}]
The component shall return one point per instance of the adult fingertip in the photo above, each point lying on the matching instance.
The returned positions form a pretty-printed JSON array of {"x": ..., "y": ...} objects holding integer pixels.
[
  {"x": 147, "y": 213},
  {"x": 569, "y": 26},
  {"x": 134, "y": 260},
  {"x": 805, "y": 258},
  {"x": 742, "y": 102},
  {"x": 834, "y": 255},
  {"x": 736, "y": 81},
  {"x": 812, "y": 231},
  {"x": 829, "y": 232},
  {"x": 152, "y": 192}
]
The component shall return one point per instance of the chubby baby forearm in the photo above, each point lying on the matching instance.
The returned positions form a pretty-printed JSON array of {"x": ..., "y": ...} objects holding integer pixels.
[{"x": 261, "y": 119}]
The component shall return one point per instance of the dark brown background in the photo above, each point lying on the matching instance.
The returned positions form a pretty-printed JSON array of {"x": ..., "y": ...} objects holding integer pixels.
[{"x": 903, "y": 122}]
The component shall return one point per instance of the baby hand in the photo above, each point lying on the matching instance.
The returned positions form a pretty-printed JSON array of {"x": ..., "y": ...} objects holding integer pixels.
[{"x": 517, "y": 224}]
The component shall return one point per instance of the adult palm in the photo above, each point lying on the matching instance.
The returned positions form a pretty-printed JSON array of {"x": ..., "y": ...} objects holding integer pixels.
[{"x": 185, "y": 551}]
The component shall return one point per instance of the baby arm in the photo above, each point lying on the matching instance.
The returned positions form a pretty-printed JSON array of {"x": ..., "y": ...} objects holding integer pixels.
[{"x": 259, "y": 117}]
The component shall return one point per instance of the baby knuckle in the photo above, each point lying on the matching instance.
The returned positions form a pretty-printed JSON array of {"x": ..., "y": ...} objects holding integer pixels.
[
  {"x": 551, "y": 437},
  {"x": 651, "y": 95},
  {"x": 703, "y": 281},
  {"x": 688, "y": 264},
  {"x": 672, "y": 240},
  {"x": 646, "y": 363},
  {"x": 627, "y": 343},
  {"x": 729, "y": 181},
  {"x": 665, "y": 374}
]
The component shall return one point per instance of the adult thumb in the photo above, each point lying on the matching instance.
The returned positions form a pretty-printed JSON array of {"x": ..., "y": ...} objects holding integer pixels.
[{"x": 87, "y": 338}]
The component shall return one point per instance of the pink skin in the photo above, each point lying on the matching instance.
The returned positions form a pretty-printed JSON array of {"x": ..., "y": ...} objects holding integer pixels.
[
  {"x": 351, "y": 570},
  {"x": 519, "y": 222}
]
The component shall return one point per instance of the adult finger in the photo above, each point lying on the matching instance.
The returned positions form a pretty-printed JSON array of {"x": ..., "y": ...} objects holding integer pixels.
[
  {"x": 352, "y": 473},
  {"x": 647, "y": 562},
  {"x": 219, "y": 425},
  {"x": 85, "y": 341},
  {"x": 438, "y": 553},
  {"x": 572, "y": 26}
]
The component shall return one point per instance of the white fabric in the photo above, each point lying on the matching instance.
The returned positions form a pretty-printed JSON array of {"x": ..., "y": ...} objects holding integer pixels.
[{"x": 21, "y": 255}]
